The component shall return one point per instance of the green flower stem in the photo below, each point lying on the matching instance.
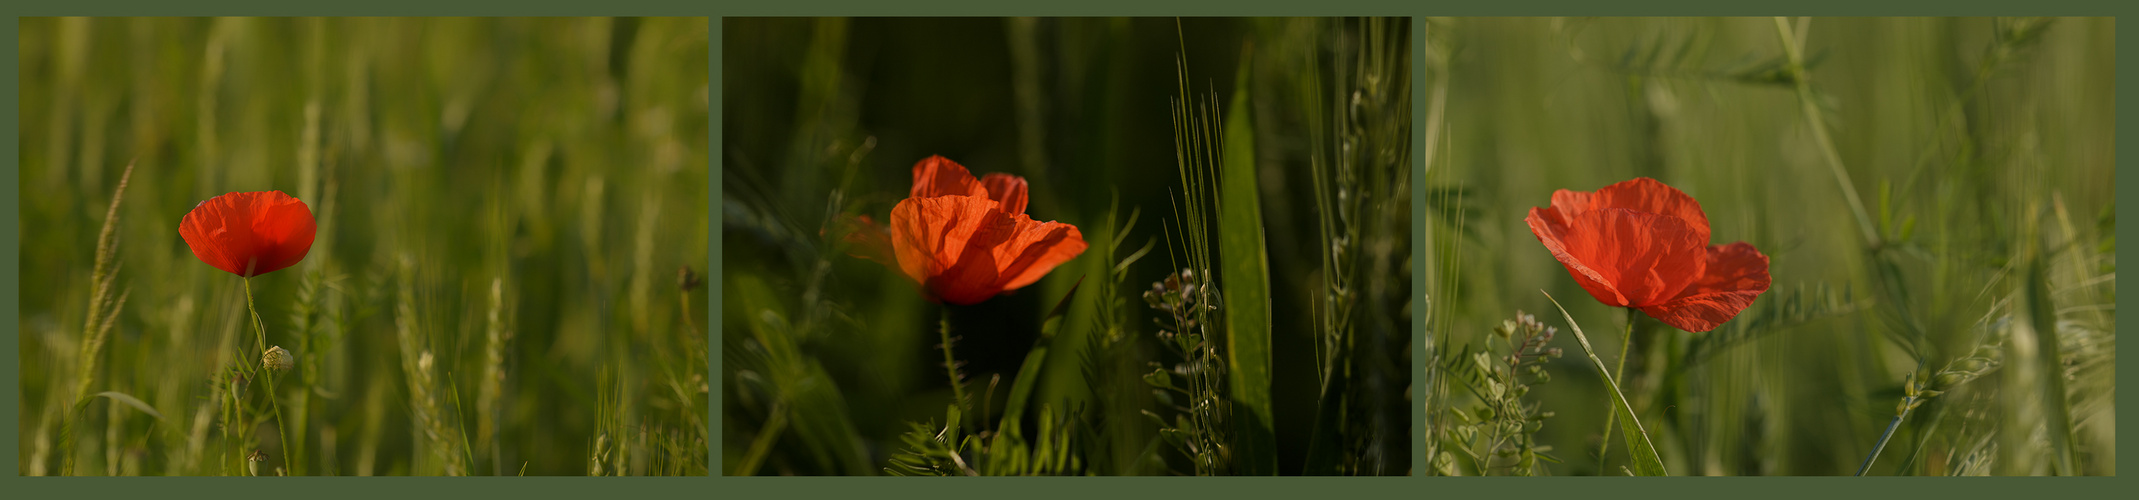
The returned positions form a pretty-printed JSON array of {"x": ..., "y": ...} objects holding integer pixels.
[
  {"x": 1619, "y": 372},
  {"x": 260, "y": 334},
  {"x": 950, "y": 363}
]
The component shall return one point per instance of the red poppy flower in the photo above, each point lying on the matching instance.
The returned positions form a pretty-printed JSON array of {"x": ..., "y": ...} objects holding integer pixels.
[
  {"x": 1644, "y": 245},
  {"x": 965, "y": 239},
  {"x": 249, "y": 233}
]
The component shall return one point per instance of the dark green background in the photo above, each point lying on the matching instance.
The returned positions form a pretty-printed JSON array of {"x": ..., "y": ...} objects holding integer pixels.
[
  {"x": 1033, "y": 487},
  {"x": 802, "y": 94}
]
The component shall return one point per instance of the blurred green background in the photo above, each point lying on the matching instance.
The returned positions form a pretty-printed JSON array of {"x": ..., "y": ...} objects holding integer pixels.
[
  {"x": 824, "y": 119},
  {"x": 1982, "y": 151},
  {"x": 503, "y": 204}
]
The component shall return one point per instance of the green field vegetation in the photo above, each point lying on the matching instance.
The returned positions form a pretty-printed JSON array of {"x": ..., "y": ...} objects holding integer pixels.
[
  {"x": 1936, "y": 195},
  {"x": 1267, "y": 158},
  {"x": 503, "y": 207}
]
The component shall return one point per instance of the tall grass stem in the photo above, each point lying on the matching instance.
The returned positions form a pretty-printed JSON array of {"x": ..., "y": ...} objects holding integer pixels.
[
  {"x": 1816, "y": 121},
  {"x": 1883, "y": 437}
]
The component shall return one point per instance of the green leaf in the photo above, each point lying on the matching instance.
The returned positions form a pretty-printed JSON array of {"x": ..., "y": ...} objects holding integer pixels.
[
  {"x": 1325, "y": 454},
  {"x": 1646, "y": 462},
  {"x": 1029, "y": 373},
  {"x": 1245, "y": 277}
]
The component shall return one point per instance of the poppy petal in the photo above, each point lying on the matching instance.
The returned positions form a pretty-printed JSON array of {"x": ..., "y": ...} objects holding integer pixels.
[
  {"x": 974, "y": 277},
  {"x": 867, "y": 239},
  {"x": 1736, "y": 274},
  {"x": 284, "y": 228},
  {"x": 943, "y": 244},
  {"x": 1007, "y": 190},
  {"x": 1036, "y": 248},
  {"x": 964, "y": 239},
  {"x": 1640, "y": 194},
  {"x": 939, "y": 176},
  {"x": 249, "y": 233},
  {"x": 1624, "y": 258},
  {"x": 206, "y": 232}
]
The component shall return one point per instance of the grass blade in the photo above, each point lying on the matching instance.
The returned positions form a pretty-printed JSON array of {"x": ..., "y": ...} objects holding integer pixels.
[
  {"x": 816, "y": 413},
  {"x": 137, "y": 403},
  {"x": 2057, "y": 414},
  {"x": 1029, "y": 373},
  {"x": 1244, "y": 274},
  {"x": 1646, "y": 462}
]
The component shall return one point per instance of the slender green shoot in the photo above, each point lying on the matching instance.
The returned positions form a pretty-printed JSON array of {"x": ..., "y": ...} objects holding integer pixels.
[{"x": 1646, "y": 462}]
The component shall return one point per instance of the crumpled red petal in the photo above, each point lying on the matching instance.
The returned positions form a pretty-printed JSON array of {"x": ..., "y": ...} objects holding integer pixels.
[
  {"x": 945, "y": 244},
  {"x": 1034, "y": 249},
  {"x": 1622, "y": 257},
  {"x": 1735, "y": 275},
  {"x": 939, "y": 176},
  {"x": 965, "y": 240},
  {"x": 249, "y": 233},
  {"x": 1007, "y": 190},
  {"x": 867, "y": 239},
  {"x": 1641, "y": 194}
]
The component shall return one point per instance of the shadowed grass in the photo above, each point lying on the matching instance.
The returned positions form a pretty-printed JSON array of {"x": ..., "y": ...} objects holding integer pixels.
[{"x": 1209, "y": 375}]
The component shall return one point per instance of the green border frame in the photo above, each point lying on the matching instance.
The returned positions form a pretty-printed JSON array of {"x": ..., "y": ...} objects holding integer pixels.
[{"x": 718, "y": 486}]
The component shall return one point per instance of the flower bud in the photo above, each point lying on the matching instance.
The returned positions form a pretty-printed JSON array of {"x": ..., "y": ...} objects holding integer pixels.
[
  {"x": 278, "y": 359},
  {"x": 686, "y": 279},
  {"x": 252, "y": 461}
]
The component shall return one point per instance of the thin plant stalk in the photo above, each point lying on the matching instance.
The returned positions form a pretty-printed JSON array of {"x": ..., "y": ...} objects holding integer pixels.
[
  {"x": 260, "y": 333},
  {"x": 97, "y": 328},
  {"x": 1815, "y": 120},
  {"x": 950, "y": 362},
  {"x": 762, "y": 444},
  {"x": 1883, "y": 437},
  {"x": 1619, "y": 370}
]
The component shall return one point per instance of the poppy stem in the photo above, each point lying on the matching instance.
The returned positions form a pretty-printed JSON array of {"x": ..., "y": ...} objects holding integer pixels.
[
  {"x": 950, "y": 363},
  {"x": 260, "y": 334},
  {"x": 1618, "y": 373}
]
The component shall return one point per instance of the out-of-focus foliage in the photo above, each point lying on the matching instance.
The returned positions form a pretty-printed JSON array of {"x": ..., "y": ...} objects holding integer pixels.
[
  {"x": 1970, "y": 283},
  {"x": 503, "y": 206}
]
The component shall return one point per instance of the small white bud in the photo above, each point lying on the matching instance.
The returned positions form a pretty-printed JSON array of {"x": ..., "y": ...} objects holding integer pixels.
[{"x": 278, "y": 359}]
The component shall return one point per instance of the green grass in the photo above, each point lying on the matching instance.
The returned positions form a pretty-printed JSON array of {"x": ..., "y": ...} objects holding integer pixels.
[
  {"x": 1191, "y": 338},
  {"x": 1933, "y": 194},
  {"x": 503, "y": 205}
]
